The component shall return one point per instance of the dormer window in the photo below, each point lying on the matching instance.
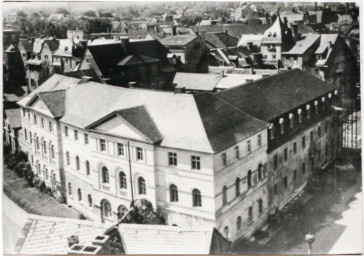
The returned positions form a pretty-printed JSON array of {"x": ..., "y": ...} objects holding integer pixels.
[
  {"x": 274, "y": 34},
  {"x": 323, "y": 102},
  {"x": 299, "y": 112},
  {"x": 308, "y": 109},
  {"x": 223, "y": 159},
  {"x": 319, "y": 56},
  {"x": 316, "y": 106},
  {"x": 271, "y": 132},
  {"x": 291, "y": 120},
  {"x": 329, "y": 96},
  {"x": 281, "y": 123},
  {"x": 269, "y": 34}
]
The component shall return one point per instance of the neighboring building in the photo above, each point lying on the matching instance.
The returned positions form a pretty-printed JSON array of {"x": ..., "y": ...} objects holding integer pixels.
[
  {"x": 12, "y": 125},
  {"x": 145, "y": 63},
  {"x": 68, "y": 55},
  {"x": 191, "y": 50},
  {"x": 13, "y": 68},
  {"x": 305, "y": 133},
  {"x": 114, "y": 144}
]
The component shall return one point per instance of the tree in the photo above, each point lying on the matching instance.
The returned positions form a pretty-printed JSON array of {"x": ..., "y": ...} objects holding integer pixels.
[
  {"x": 62, "y": 11},
  {"x": 98, "y": 25},
  {"x": 90, "y": 14},
  {"x": 106, "y": 14},
  {"x": 21, "y": 15}
]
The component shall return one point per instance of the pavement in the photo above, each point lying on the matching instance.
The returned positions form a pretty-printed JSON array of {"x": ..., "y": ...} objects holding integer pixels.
[{"x": 329, "y": 208}]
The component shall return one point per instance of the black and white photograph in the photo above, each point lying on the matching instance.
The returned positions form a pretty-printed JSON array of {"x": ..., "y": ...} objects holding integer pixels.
[{"x": 181, "y": 127}]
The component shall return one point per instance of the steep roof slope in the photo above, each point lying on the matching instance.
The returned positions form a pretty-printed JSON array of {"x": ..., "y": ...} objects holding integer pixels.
[
  {"x": 270, "y": 97},
  {"x": 54, "y": 101}
]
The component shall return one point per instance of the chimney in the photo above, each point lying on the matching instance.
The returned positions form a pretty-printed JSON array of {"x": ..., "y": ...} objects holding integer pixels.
[
  {"x": 331, "y": 44},
  {"x": 250, "y": 45},
  {"x": 174, "y": 30},
  {"x": 285, "y": 20},
  {"x": 124, "y": 42},
  {"x": 180, "y": 89},
  {"x": 131, "y": 84},
  {"x": 72, "y": 240},
  {"x": 294, "y": 29}
]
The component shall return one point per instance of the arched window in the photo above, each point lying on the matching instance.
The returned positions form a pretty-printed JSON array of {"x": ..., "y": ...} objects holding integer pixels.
[
  {"x": 77, "y": 163},
  {"x": 30, "y": 138},
  {"x": 237, "y": 187},
  {"x": 46, "y": 173},
  {"x": 52, "y": 151},
  {"x": 44, "y": 147},
  {"x": 238, "y": 223},
  {"x": 79, "y": 193},
  {"x": 226, "y": 231},
  {"x": 173, "y": 193},
  {"x": 39, "y": 170},
  {"x": 224, "y": 195},
  {"x": 68, "y": 158},
  {"x": 249, "y": 179},
  {"x": 122, "y": 180},
  {"x": 69, "y": 188},
  {"x": 260, "y": 171},
  {"x": 89, "y": 199},
  {"x": 105, "y": 175},
  {"x": 122, "y": 210},
  {"x": 106, "y": 208},
  {"x": 196, "y": 198},
  {"x": 87, "y": 168},
  {"x": 37, "y": 143},
  {"x": 141, "y": 186}
]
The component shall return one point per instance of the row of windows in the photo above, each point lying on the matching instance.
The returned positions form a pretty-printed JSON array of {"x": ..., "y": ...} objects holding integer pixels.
[
  {"x": 75, "y": 135},
  {"x": 237, "y": 149},
  {"x": 196, "y": 196},
  {"x": 40, "y": 146},
  {"x": 77, "y": 161},
  {"x": 26, "y": 113}
]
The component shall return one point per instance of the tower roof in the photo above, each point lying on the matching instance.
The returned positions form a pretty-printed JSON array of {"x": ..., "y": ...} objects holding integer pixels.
[{"x": 274, "y": 34}]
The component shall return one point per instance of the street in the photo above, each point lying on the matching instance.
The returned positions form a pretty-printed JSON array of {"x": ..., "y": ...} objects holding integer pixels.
[
  {"x": 14, "y": 219},
  {"x": 329, "y": 208}
]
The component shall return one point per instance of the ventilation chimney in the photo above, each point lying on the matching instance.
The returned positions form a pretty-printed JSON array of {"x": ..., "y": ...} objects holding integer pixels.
[
  {"x": 331, "y": 45},
  {"x": 294, "y": 29},
  {"x": 285, "y": 20},
  {"x": 181, "y": 89},
  {"x": 131, "y": 84},
  {"x": 174, "y": 30},
  {"x": 73, "y": 240}
]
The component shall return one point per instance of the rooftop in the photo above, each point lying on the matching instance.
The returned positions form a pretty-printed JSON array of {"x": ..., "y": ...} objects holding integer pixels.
[
  {"x": 196, "y": 81},
  {"x": 303, "y": 44},
  {"x": 178, "y": 40}
]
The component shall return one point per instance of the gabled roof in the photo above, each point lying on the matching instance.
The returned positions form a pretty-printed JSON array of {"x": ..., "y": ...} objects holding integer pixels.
[
  {"x": 325, "y": 42},
  {"x": 303, "y": 44},
  {"x": 48, "y": 235},
  {"x": 273, "y": 96},
  {"x": 136, "y": 60},
  {"x": 84, "y": 72},
  {"x": 38, "y": 45},
  {"x": 196, "y": 81},
  {"x": 218, "y": 40},
  {"x": 274, "y": 33},
  {"x": 55, "y": 102},
  {"x": 53, "y": 44},
  {"x": 163, "y": 239},
  {"x": 235, "y": 30},
  {"x": 178, "y": 40},
  {"x": 27, "y": 44},
  {"x": 225, "y": 125},
  {"x": 65, "y": 48}
]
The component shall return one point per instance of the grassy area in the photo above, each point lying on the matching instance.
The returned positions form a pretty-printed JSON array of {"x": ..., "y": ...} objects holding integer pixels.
[{"x": 43, "y": 203}]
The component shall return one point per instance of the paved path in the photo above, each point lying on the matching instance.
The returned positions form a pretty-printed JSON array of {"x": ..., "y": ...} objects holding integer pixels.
[{"x": 14, "y": 219}]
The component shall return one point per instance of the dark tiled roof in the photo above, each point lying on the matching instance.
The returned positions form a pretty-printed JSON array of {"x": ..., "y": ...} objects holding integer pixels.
[
  {"x": 235, "y": 30},
  {"x": 85, "y": 72},
  {"x": 219, "y": 40},
  {"x": 27, "y": 44},
  {"x": 136, "y": 59},
  {"x": 178, "y": 40},
  {"x": 141, "y": 120},
  {"x": 55, "y": 101},
  {"x": 273, "y": 96},
  {"x": 52, "y": 44},
  {"x": 225, "y": 125}
]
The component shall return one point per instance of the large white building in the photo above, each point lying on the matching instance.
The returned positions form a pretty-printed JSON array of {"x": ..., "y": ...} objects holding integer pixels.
[{"x": 196, "y": 158}]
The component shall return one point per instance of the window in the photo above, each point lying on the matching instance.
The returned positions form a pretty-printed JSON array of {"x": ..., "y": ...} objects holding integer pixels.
[
  {"x": 77, "y": 163},
  {"x": 299, "y": 115},
  {"x": 223, "y": 159},
  {"x": 316, "y": 107},
  {"x": 291, "y": 121},
  {"x": 37, "y": 143},
  {"x": 88, "y": 60},
  {"x": 23, "y": 109},
  {"x": 172, "y": 158},
  {"x": 281, "y": 122},
  {"x": 68, "y": 160},
  {"x": 105, "y": 175},
  {"x": 75, "y": 134},
  {"x": 285, "y": 182},
  {"x": 89, "y": 199},
  {"x": 196, "y": 198},
  {"x": 273, "y": 57},
  {"x": 259, "y": 140},
  {"x": 238, "y": 223},
  {"x": 303, "y": 141},
  {"x": 46, "y": 57},
  {"x": 260, "y": 206},
  {"x": 237, "y": 187},
  {"x": 79, "y": 193},
  {"x": 52, "y": 152},
  {"x": 249, "y": 146},
  {"x": 195, "y": 161},
  {"x": 224, "y": 195},
  {"x": 106, "y": 209},
  {"x": 69, "y": 188},
  {"x": 275, "y": 162},
  {"x": 30, "y": 137},
  {"x": 86, "y": 138},
  {"x": 311, "y": 136},
  {"x": 120, "y": 149},
  {"x": 102, "y": 145},
  {"x": 226, "y": 231},
  {"x": 250, "y": 179},
  {"x": 87, "y": 168},
  {"x": 46, "y": 173},
  {"x": 173, "y": 193},
  {"x": 275, "y": 189},
  {"x": 285, "y": 154},
  {"x": 42, "y": 122},
  {"x": 25, "y": 134},
  {"x": 294, "y": 148},
  {"x": 319, "y": 131},
  {"x": 303, "y": 168},
  {"x": 35, "y": 119},
  {"x": 250, "y": 214},
  {"x": 66, "y": 131},
  {"x": 122, "y": 181},
  {"x": 308, "y": 109},
  {"x": 141, "y": 186},
  {"x": 260, "y": 171},
  {"x": 50, "y": 126},
  {"x": 237, "y": 153},
  {"x": 294, "y": 174},
  {"x": 271, "y": 132},
  {"x": 139, "y": 152},
  {"x": 44, "y": 147}
]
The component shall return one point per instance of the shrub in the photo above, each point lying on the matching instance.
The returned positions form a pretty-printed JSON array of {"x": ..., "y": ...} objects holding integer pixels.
[{"x": 29, "y": 176}]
